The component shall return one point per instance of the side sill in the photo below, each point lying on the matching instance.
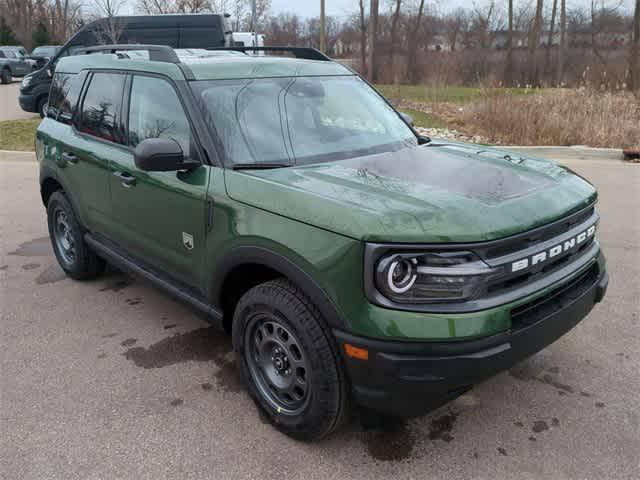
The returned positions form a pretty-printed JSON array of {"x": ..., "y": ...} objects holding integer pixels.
[{"x": 116, "y": 258}]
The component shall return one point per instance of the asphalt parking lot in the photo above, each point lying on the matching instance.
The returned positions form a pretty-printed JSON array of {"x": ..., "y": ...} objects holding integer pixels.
[
  {"x": 10, "y": 109},
  {"x": 113, "y": 379}
]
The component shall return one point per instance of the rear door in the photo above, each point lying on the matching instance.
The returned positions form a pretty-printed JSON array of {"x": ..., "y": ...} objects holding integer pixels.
[
  {"x": 96, "y": 139},
  {"x": 159, "y": 217}
]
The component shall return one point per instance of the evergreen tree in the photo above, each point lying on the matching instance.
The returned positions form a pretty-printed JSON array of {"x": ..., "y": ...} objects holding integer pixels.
[
  {"x": 40, "y": 35},
  {"x": 6, "y": 34}
]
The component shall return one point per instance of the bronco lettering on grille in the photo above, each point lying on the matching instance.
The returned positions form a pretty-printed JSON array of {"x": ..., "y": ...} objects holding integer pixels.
[{"x": 554, "y": 251}]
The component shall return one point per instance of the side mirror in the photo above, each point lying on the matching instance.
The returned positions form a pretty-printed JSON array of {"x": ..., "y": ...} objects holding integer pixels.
[
  {"x": 50, "y": 71},
  {"x": 407, "y": 119},
  {"x": 161, "y": 155}
]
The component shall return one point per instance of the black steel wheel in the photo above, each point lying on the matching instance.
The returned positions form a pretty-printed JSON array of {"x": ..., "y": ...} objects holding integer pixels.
[
  {"x": 288, "y": 359},
  {"x": 73, "y": 254},
  {"x": 63, "y": 236},
  {"x": 277, "y": 364}
]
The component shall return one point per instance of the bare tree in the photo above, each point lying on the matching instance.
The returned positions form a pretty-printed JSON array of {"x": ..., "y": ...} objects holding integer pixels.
[
  {"x": 362, "y": 26},
  {"x": 562, "y": 51},
  {"x": 534, "y": 42},
  {"x": 634, "y": 60},
  {"x": 413, "y": 45},
  {"x": 455, "y": 23},
  {"x": 551, "y": 32},
  {"x": 508, "y": 68},
  {"x": 157, "y": 6},
  {"x": 394, "y": 31},
  {"x": 108, "y": 8},
  {"x": 373, "y": 34},
  {"x": 485, "y": 21},
  {"x": 110, "y": 30}
]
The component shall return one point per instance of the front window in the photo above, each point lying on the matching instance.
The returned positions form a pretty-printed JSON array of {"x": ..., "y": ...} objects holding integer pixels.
[
  {"x": 155, "y": 111},
  {"x": 300, "y": 120}
]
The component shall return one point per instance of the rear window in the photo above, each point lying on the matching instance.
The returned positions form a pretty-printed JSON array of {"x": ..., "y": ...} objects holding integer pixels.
[
  {"x": 63, "y": 98},
  {"x": 101, "y": 106}
]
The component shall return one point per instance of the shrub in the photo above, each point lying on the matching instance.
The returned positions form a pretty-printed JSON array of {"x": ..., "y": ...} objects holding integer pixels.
[{"x": 558, "y": 117}]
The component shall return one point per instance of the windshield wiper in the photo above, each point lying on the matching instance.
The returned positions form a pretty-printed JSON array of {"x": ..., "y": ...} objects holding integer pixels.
[{"x": 259, "y": 166}]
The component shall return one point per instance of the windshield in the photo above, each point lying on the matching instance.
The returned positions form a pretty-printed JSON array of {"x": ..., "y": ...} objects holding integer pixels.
[{"x": 300, "y": 120}]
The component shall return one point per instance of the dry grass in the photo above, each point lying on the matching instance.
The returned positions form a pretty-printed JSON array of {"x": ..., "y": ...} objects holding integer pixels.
[
  {"x": 558, "y": 117},
  {"x": 18, "y": 134}
]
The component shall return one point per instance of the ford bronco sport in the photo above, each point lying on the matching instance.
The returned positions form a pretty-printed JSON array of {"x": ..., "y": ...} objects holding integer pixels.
[{"x": 353, "y": 261}]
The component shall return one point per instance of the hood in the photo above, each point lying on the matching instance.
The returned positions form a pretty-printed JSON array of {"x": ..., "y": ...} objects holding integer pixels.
[{"x": 439, "y": 193}]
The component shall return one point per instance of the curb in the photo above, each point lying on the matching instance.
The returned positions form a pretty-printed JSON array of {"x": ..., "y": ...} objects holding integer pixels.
[{"x": 17, "y": 156}]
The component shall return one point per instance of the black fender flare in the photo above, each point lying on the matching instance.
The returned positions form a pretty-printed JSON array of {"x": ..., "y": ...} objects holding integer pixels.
[
  {"x": 47, "y": 172},
  {"x": 266, "y": 257}
]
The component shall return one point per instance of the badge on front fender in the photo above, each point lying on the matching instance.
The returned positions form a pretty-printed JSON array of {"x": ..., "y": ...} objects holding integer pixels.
[{"x": 187, "y": 240}]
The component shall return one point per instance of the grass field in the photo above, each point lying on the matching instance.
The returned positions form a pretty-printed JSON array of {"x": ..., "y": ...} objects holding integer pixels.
[
  {"x": 18, "y": 134},
  {"x": 422, "y": 119},
  {"x": 429, "y": 94}
]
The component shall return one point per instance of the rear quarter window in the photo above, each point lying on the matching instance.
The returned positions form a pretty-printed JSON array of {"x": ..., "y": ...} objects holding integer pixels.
[
  {"x": 64, "y": 94},
  {"x": 101, "y": 106}
]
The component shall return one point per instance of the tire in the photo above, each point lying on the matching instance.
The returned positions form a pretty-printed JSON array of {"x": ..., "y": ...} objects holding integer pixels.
[
  {"x": 5, "y": 76},
  {"x": 296, "y": 344},
  {"x": 73, "y": 254},
  {"x": 42, "y": 106}
]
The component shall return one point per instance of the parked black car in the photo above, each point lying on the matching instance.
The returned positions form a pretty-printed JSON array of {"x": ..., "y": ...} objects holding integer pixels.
[{"x": 177, "y": 31}]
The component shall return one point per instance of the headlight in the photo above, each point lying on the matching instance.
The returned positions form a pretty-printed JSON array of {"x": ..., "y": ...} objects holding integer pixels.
[
  {"x": 430, "y": 277},
  {"x": 26, "y": 81}
]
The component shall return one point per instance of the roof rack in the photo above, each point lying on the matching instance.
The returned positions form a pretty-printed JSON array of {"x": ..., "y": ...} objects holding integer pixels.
[
  {"x": 307, "y": 53},
  {"x": 158, "y": 53}
]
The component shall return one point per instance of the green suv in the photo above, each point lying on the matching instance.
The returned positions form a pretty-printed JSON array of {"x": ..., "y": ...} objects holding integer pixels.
[{"x": 353, "y": 261}]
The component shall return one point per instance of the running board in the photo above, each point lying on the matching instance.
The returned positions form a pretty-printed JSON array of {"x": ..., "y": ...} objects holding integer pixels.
[{"x": 119, "y": 260}]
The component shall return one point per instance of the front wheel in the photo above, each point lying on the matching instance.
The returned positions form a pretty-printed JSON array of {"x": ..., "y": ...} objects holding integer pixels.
[
  {"x": 74, "y": 255},
  {"x": 43, "y": 105},
  {"x": 289, "y": 361},
  {"x": 5, "y": 76}
]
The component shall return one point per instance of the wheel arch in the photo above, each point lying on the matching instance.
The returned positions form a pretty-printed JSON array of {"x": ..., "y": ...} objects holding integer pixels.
[
  {"x": 50, "y": 182},
  {"x": 247, "y": 266}
]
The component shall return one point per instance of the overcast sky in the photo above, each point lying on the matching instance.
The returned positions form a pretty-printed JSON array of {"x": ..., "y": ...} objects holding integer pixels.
[
  {"x": 343, "y": 8},
  {"x": 347, "y": 7}
]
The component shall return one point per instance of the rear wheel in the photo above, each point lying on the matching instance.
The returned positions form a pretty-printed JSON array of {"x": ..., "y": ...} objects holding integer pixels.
[
  {"x": 74, "y": 256},
  {"x": 289, "y": 360},
  {"x": 5, "y": 76}
]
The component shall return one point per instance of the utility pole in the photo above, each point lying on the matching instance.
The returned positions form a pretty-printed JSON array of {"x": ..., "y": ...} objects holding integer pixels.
[{"x": 323, "y": 27}]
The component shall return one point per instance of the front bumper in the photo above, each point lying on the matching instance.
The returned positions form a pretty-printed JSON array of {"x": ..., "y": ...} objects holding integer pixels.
[
  {"x": 411, "y": 378},
  {"x": 28, "y": 102}
]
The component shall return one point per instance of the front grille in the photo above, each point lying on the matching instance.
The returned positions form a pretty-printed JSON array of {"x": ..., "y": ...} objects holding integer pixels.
[
  {"x": 549, "y": 267},
  {"x": 538, "y": 235},
  {"x": 540, "y": 308}
]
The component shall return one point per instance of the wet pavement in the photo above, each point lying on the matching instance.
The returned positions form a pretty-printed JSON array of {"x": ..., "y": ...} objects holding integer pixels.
[{"x": 113, "y": 379}]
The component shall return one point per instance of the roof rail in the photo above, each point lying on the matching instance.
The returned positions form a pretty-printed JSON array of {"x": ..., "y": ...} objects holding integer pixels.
[
  {"x": 157, "y": 53},
  {"x": 307, "y": 53}
]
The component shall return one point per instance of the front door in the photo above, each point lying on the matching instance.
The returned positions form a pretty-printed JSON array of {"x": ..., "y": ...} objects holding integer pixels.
[{"x": 159, "y": 217}]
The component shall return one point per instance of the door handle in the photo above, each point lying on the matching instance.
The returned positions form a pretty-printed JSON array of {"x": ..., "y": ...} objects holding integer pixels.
[
  {"x": 69, "y": 157},
  {"x": 127, "y": 180}
]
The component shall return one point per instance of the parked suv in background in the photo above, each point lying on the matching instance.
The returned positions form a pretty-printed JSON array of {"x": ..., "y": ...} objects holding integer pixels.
[
  {"x": 13, "y": 63},
  {"x": 178, "y": 31},
  {"x": 353, "y": 261},
  {"x": 42, "y": 54}
]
